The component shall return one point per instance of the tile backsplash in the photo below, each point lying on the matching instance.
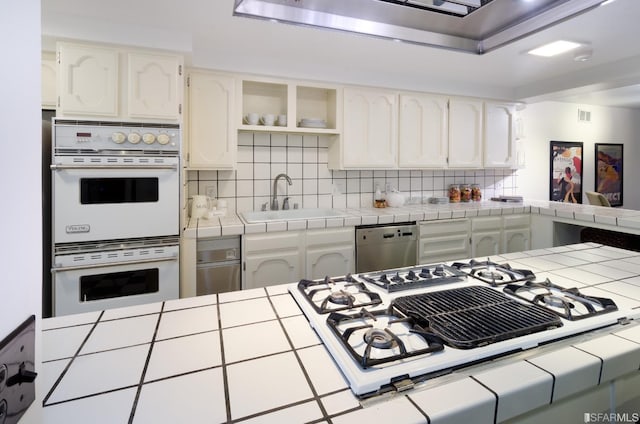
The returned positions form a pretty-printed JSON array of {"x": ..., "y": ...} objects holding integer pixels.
[{"x": 262, "y": 156}]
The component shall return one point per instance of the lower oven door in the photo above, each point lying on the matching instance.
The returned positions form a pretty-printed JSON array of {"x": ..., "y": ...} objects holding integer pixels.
[
  {"x": 105, "y": 197},
  {"x": 95, "y": 281}
]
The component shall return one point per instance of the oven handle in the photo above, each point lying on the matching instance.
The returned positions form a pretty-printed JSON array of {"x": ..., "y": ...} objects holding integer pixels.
[
  {"x": 57, "y": 167},
  {"x": 142, "y": 261}
]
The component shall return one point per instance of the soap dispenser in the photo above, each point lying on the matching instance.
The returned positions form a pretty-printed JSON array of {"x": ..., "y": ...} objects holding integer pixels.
[{"x": 378, "y": 198}]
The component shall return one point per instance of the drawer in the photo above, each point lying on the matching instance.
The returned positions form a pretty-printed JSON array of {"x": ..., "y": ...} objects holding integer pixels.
[
  {"x": 443, "y": 227},
  {"x": 516, "y": 221},
  {"x": 486, "y": 223},
  {"x": 336, "y": 237}
]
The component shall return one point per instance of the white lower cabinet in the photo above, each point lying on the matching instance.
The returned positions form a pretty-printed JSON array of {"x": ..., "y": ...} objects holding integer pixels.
[
  {"x": 287, "y": 257},
  {"x": 516, "y": 235},
  {"x": 443, "y": 240},
  {"x": 330, "y": 253},
  {"x": 486, "y": 235}
]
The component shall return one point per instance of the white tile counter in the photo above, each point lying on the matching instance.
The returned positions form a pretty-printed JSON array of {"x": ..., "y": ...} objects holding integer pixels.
[
  {"x": 623, "y": 220},
  {"x": 251, "y": 356}
]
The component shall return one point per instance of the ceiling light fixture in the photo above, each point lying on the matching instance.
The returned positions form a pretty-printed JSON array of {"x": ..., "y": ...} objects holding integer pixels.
[{"x": 555, "y": 48}]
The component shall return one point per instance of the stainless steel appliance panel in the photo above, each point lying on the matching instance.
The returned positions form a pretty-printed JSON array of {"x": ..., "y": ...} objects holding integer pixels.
[
  {"x": 384, "y": 247},
  {"x": 218, "y": 265}
]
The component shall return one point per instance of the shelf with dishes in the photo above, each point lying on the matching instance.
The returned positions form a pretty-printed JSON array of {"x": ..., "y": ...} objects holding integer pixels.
[{"x": 284, "y": 106}]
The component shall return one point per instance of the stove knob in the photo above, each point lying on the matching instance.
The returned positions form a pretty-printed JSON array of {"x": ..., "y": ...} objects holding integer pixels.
[
  {"x": 134, "y": 138},
  {"x": 425, "y": 273},
  {"x": 118, "y": 137},
  {"x": 148, "y": 138},
  {"x": 439, "y": 270},
  {"x": 163, "y": 138}
]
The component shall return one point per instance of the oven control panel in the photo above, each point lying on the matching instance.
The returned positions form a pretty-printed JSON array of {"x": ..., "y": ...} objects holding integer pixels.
[{"x": 98, "y": 137}]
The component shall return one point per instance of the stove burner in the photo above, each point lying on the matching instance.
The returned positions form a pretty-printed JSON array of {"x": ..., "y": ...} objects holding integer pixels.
[
  {"x": 341, "y": 297},
  {"x": 400, "y": 337},
  {"x": 439, "y": 271},
  {"x": 331, "y": 295},
  {"x": 412, "y": 276},
  {"x": 567, "y": 303},
  {"x": 379, "y": 339},
  {"x": 397, "y": 278},
  {"x": 425, "y": 273},
  {"x": 493, "y": 273}
]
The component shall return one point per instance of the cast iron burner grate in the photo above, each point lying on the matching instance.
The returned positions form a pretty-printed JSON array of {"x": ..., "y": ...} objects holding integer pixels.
[
  {"x": 414, "y": 278},
  {"x": 378, "y": 337},
  {"x": 475, "y": 316},
  {"x": 568, "y": 303},
  {"x": 492, "y": 273},
  {"x": 332, "y": 295}
]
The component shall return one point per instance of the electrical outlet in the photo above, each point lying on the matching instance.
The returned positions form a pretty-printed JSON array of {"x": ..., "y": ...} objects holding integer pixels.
[{"x": 210, "y": 191}]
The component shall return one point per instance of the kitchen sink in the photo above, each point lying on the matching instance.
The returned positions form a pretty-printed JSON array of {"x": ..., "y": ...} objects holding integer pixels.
[{"x": 291, "y": 214}]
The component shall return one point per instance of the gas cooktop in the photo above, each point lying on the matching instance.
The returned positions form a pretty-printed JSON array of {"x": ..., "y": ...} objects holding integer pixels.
[{"x": 389, "y": 329}]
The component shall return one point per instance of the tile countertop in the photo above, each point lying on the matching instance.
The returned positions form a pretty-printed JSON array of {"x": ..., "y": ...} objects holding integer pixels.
[
  {"x": 205, "y": 359},
  {"x": 625, "y": 219}
]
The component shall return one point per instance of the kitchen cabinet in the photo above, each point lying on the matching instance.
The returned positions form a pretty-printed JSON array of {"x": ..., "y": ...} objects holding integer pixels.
[
  {"x": 118, "y": 83},
  {"x": 330, "y": 252},
  {"x": 317, "y": 104},
  {"x": 486, "y": 236},
  {"x": 423, "y": 132},
  {"x": 465, "y": 133},
  {"x": 48, "y": 72},
  {"x": 443, "y": 240},
  {"x": 286, "y": 257},
  {"x": 272, "y": 258},
  {"x": 516, "y": 234},
  {"x": 499, "y": 135},
  {"x": 87, "y": 80},
  {"x": 369, "y": 137},
  {"x": 212, "y": 137}
]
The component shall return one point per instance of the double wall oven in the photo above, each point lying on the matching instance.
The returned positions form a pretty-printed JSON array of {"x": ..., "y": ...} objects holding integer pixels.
[{"x": 115, "y": 214}]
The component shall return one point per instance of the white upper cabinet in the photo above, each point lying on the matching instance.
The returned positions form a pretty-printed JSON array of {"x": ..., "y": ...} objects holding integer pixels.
[
  {"x": 209, "y": 121},
  {"x": 155, "y": 86},
  {"x": 465, "y": 133},
  {"x": 87, "y": 80},
  {"x": 118, "y": 83},
  {"x": 370, "y": 137},
  {"x": 48, "y": 74},
  {"x": 423, "y": 133},
  {"x": 499, "y": 135}
]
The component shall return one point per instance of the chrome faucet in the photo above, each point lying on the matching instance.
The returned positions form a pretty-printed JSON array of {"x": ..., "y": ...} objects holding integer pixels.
[{"x": 274, "y": 200}]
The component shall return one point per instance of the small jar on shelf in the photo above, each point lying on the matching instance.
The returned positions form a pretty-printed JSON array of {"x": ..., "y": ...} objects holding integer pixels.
[
  {"x": 476, "y": 193},
  {"x": 454, "y": 193},
  {"x": 465, "y": 193}
]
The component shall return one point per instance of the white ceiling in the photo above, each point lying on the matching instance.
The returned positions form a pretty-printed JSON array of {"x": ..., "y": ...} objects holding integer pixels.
[{"x": 210, "y": 37}]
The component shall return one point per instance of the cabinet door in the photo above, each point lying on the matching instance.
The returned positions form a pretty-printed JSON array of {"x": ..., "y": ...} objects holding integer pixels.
[
  {"x": 370, "y": 128},
  {"x": 444, "y": 240},
  {"x": 210, "y": 111},
  {"x": 485, "y": 244},
  {"x": 423, "y": 132},
  {"x": 87, "y": 80},
  {"x": 499, "y": 140},
  {"x": 465, "y": 133},
  {"x": 155, "y": 86},
  {"x": 516, "y": 240},
  {"x": 329, "y": 262},
  {"x": 272, "y": 258},
  {"x": 48, "y": 75}
]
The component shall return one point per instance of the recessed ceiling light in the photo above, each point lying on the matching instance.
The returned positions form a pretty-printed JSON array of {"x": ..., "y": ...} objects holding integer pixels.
[{"x": 555, "y": 48}]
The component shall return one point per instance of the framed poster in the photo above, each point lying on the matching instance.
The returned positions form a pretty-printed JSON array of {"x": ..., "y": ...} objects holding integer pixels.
[
  {"x": 609, "y": 172},
  {"x": 565, "y": 180}
]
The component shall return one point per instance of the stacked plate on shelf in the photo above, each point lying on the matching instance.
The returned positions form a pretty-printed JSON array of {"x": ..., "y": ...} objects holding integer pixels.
[
  {"x": 312, "y": 123},
  {"x": 438, "y": 200}
]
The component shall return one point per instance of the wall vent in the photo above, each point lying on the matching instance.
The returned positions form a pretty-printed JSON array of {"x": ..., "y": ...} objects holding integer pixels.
[{"x": 584, "y": 115}]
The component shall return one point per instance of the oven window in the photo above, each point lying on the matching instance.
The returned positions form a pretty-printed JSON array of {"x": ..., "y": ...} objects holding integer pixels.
[
  {"x": 118, "y": 284},
  {"x": 118, "y": 190}
]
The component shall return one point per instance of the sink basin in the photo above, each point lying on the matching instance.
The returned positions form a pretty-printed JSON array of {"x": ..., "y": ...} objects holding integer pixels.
[{"x": 291, "y": 214}]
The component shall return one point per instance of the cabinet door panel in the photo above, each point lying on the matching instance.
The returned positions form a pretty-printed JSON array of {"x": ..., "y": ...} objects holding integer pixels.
[
  {"x": 154, "y": 86},
  {"x": 48, "y": 78},
  {"x": 516, "y": 240},
  {"x": 499, "y": 141},
  {"x": 212, "y": 137},
  {"x": 329, "y": 262},
  {"x": 88, "y": 80},
  {"x": 269, "y": 269},
  {"x": 443, "y": 248},
  {"x": 370, "y": 127},
  {"x": 484, "y": 244},
  {"x": 423, "y": 131},
  {"x": 465, "y": 133}
]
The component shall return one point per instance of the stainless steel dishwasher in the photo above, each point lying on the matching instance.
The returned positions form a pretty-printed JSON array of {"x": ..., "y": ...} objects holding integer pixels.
[
  {"x": 386, "y": 246},
  {"x": 217, "y": 265}
]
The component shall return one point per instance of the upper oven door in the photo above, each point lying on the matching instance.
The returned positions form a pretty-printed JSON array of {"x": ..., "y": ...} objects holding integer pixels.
[{"x": 104, "y": 197}]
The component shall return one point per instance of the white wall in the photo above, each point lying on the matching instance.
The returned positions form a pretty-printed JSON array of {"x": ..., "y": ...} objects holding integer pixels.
[
  {"x": 20, "y": 172},
  {"x": 556, "y": 121}
]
